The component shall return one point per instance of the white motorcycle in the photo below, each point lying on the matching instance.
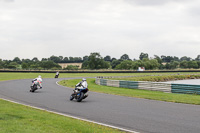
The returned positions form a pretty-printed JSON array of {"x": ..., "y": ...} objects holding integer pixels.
[{"x": 35, "y": 85}]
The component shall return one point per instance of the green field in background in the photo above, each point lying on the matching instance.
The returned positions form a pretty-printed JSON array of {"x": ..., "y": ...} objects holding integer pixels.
[{"x": 13, "y": 76}]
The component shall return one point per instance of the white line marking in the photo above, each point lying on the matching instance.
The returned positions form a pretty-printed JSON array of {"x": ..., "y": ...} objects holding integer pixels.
[{"x": 122, "y": 129}]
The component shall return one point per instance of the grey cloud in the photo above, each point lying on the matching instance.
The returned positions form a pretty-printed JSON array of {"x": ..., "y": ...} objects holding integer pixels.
[
  {"x": 9, "y": 0},
  {"x": 152, "y": 2},
  {"x": 194, "y": 11}
]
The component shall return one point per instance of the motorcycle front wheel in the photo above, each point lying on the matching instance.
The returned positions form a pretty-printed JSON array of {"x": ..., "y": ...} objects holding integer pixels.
[{"x": 71, "y": 97}]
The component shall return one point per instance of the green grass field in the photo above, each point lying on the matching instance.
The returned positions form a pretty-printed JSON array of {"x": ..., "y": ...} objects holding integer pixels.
[
  {"x": 15, "y": 118},
  {"x": 146, "y": 94},
  {"x": 13, "y": 76}
]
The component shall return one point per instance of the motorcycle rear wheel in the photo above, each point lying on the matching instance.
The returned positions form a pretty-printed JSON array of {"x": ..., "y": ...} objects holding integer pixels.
[
  {"x": 33, "y": 88},
  {"x": 80, "y": 98}
]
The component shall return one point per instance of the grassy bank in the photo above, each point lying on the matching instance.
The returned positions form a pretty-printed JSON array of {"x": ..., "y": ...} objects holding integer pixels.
[
  {"x": 13, "y": 76},
  {"x": 15, "y": 118},
  {"x": 146, "y": 94},
  {"x": 163, "y": 78}
]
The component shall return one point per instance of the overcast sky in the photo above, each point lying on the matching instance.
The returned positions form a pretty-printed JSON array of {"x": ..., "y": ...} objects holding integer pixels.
[{"x": 42, "y": 28}]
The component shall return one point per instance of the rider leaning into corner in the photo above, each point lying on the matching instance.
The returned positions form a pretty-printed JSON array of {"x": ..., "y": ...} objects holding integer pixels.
[
  {"x": 82, "y": 85},
  {"x": 38, "y": 81}
]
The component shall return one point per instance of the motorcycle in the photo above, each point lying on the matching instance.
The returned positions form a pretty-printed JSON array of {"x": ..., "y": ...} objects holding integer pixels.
[
  {"x": 79, "y": 94},
  {"x": 57, "y": 74},
  {"x": 35, "y": 86}
]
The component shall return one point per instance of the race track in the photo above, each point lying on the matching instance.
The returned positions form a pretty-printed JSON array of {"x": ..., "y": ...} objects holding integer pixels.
[{"x": 141, "y": 115}]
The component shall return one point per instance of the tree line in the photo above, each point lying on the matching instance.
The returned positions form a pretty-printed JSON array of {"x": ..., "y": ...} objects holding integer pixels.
[{"x": 96, "y": 61}]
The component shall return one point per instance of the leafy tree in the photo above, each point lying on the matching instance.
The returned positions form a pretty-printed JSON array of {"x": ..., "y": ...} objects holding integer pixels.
[
  {"x": 12, "y": 65},
  {"x": 71, "y": 67},
  {"x": 126, "y": 64},
  {"x": 192, "y": 64},
  {"x": 48, "y": 65},
  {"x": 26, "y": 60},
  {"x": 176, "y": 58},
  {"x": 71, "y": 59},
  {"x": 34, "y": 65},
  {"x": 167, "y": 66},
  {"x": 198, "y": 58},
  {"x": 65, "y": 60},
  {"x": 77, "y": 59},
  {"x": 154, "y": 64},
  {"x": 95, "y": 61},
  {"x": 114, "y": 63},
  {"x": 61, "y": 58},
  {"x": 124, "y": 57},
  {"x": 85, "y": 64},
  {"x": 158, "y": 58},
  {"x": 167, "y": 58},
  {"x": 85, "y": 58},
  {"x": 198, "y": 62},
  {"x": 17, "y": 60},
  {"x": 105, "y": 65},
  {"x": 1, "y": 64},
  {"x": 25, "y": 65},
  {"x": 107, "y": 58},
  {"x": 138, "y": 64},
  {"x": 55, "y": 59},
  {"x": 184, "y": 64},
  {"x": 174, "y": 64},
  {"x": 185, "y": 58},
  {"x": 146, "y": 63},
  {"x": 113, "y": 59},
  {"x": 143, "y": 55},
  {"x": 35, "y": 59},
  {"x": 44, "y": 59}
]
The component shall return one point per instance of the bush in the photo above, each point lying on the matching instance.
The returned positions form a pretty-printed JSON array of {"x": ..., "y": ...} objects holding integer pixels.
[{"x": 71, "y": 67}]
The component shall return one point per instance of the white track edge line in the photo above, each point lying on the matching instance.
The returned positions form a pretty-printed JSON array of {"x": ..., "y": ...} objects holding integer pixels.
[{"x": 122, "y": 129}]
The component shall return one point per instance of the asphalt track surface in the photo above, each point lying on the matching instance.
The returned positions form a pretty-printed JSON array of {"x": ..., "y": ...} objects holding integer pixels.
[{"x": 141, "y": 115}]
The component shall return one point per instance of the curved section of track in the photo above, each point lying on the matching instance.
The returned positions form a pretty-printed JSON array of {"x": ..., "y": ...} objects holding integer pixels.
[{"x": 142, "y": 115}]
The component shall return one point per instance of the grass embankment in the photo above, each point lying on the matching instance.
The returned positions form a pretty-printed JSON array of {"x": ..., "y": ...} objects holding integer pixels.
[
  {"x": 16, "y": 118},
  {"x": 146, "y": 94},
  {"x": 13, "y": 76},
  {"x": 160, "y": 78}
]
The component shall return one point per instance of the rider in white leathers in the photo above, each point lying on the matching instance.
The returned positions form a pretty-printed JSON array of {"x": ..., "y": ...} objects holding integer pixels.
[
  {"x": 82, "y": 85},
  {"x": 38, "y": 81}
]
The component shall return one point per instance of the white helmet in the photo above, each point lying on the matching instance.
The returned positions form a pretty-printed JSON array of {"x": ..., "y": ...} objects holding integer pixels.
[
  {"x": 39, "y": 76},
  {"x": 83, "y": 79}
]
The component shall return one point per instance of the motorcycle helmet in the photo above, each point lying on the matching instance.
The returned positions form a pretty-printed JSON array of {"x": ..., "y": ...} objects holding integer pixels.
[
  {"x": 83, "y": 79},
  {"x": 39, "y": 76}
]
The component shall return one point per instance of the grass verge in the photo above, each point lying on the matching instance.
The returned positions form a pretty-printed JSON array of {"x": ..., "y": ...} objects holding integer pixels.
[
  {"x": 163, "y": 78},
  {"x": 146, "y": 94},
  {"x": 13, "y": 76},
  {"x": 15, "y": 118}
]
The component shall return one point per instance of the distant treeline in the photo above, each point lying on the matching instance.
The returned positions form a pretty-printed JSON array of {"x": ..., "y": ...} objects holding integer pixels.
[{"x": 96, "y": 61}]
